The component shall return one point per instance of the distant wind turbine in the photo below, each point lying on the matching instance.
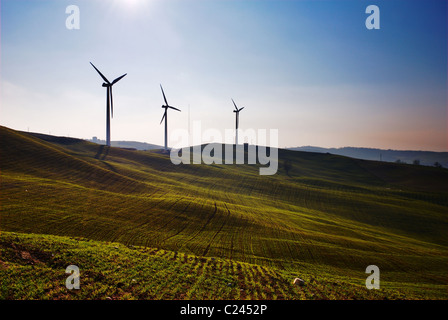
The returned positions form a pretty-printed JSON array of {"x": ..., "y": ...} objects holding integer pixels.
[
  {"x": 237, "y": 111},
  {"x": 109, "y": 101},
  {"x": 165, "y": 116}
]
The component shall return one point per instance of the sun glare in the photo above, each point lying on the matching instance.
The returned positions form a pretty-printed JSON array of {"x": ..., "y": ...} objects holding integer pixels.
[
  {"x": 132, "y": 8},
  {"x": 133, "y": 3}
]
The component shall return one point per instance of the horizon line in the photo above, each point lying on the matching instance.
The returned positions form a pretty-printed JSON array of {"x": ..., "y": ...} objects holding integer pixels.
[{"x": 285, "y": 147}]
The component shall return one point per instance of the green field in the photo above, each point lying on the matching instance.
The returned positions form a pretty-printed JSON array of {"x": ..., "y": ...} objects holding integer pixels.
[{"x": 215, "y": 231}]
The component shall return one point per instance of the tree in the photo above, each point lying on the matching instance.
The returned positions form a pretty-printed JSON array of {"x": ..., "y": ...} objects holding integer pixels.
[
  {"x": 437, "y": 164},
  {"x": 287, "y": 165}
]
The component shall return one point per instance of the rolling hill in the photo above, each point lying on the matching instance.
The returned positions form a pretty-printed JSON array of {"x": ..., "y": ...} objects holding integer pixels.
[
  {"x": 127, "y": 144},
  {"x": 326, "y": 218},
  {"x": 427, "y": 158}
]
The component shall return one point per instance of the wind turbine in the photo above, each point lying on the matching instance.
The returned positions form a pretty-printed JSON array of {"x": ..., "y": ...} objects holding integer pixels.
[
  {"x": 165, "y": 116},
  {"x": 109, "y": 101},
  {"x": 237, "y": 111}
]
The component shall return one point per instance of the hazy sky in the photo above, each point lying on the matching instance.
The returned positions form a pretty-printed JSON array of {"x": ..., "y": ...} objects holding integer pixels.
[{"x": 310, "y": 69}]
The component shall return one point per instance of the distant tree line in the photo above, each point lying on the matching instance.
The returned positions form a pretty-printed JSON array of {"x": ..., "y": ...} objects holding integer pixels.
[
  {"x": 417, "y": 163},
  {"x": 437, "y": 164},
  {"x": 287, "y": 165}
]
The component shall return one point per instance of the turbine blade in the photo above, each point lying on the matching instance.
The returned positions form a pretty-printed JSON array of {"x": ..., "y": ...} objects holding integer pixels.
[
  {"x": 241, "y": 109},
  {"x": 102, "y": 76},
  {"x": 163, "y": 117},
  {"x": 164, "y": 98},
  {"x": 235, "y": 105},
  {"x": 118, "y": 79},
  {"x": 173, "y": 108}
]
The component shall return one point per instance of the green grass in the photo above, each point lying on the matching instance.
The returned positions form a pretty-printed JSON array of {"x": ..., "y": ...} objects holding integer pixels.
[
  {"x": 33, "y": 267},
  {"x": 328, "y": 218}
]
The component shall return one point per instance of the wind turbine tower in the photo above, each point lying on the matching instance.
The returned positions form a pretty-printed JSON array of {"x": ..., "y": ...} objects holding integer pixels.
[
  {"x": 165, "y": 116},
  {"x": 237, "y": 112},
  {"x": 109, "y": 101}
]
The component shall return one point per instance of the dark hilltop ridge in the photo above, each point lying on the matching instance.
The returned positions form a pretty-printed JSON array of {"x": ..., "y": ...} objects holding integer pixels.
[{"x": 425, "y": 158}]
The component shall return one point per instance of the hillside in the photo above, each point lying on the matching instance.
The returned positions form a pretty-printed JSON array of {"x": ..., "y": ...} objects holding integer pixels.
[
  {"x": 427, "y": 158},
  {"x": 115, "y": 272},
  {"x": 329, "y": 216},
  {"x": 127, "y": 144}
]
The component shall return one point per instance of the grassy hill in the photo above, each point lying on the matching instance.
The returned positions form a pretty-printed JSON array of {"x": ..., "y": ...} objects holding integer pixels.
[
  {"x": 327, "y": 218},
  {"x": 428, "y": 158},
  {"x": 128, "y": 144},
  {"x": 35, "y": 269}
]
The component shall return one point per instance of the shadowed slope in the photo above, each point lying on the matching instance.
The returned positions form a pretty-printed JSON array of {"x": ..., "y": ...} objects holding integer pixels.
[
  {"x": 328, "y": 213},
  {"x": 24, "y": 154}
]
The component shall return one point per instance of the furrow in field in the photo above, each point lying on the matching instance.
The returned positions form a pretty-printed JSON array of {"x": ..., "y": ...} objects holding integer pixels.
[
  {"x": 183, "y": 226},
  {"x": 207, "y": 248},
  {"x": 168, "y": 209}
]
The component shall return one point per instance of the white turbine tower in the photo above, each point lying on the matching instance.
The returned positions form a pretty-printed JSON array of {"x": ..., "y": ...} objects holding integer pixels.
[
  {"x": 165, "y": 116},
  {"x": 109, "y": 101},
  {"x": 237, "y": 111}
]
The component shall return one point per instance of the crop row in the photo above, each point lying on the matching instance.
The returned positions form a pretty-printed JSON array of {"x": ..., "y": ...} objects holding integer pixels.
[{"x": 33, "y": 267}]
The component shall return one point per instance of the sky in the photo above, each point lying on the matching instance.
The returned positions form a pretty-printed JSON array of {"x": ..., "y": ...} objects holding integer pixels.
[{"x": 310, "y": 69}]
